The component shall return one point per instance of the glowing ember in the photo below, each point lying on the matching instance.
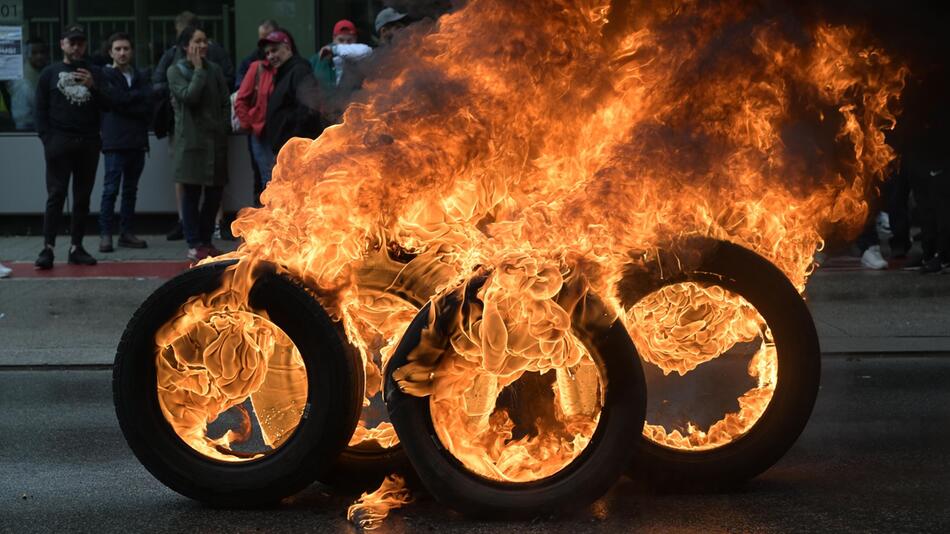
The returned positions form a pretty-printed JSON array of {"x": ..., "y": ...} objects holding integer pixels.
[{"x": 369, "y": 511}]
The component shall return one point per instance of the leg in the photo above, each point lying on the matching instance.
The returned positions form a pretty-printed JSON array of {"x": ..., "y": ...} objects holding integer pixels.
[
  {"x": 209, "y": 210},
  {"x": 57, "y": 183},
  {"x": 133, "y": 164},
  {"x": 256, "y": 169},
  {"x": 190, "y": 197},
  {"x": 265, "y": 160},
  {"x": 85, "y": 162},
  {"x": 897, "y": 200},
  {"x": 110, "y": 189}
]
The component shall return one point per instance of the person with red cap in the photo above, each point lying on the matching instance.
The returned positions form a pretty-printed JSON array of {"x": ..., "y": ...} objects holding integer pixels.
[{"x": 333, "y": 60}]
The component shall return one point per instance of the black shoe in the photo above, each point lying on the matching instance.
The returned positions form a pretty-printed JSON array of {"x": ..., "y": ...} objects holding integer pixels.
[
  {"x": 933, "y": 265},
  {"x": 105, "y": 243},
  {"x": 45, "y": 259},
  {"x": 79, "y": 256},
  {"x": 130, "y": 241},
  {"x": 177, "y": 233}
]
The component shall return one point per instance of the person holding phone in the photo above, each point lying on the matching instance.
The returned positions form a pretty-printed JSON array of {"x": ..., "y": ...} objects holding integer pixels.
[{"x": 68, "y": 114}]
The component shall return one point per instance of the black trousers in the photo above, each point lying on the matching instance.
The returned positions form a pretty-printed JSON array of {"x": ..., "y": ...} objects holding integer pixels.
[
  {"x": 197, "y": 217},
  {"x": 930, "y": 182},
  {"x": 69, "y": 156}
]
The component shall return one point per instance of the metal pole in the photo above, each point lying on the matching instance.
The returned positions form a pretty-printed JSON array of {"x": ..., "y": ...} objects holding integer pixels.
[{"x": 141, "y": 34}]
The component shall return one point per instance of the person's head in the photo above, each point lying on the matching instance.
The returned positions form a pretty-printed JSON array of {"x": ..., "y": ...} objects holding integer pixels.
[
  {"x": 193, "y": 36},
  {"x": 185, "y": 19},
  {"x": 120, "y": 49},
  {"x": 388, "y": 22},
  {"x": 278, "y": 47},
  {"x": 73, "y": 44},
  {"x": 266, "y": 26},
  {"x": 344, "y": 32},
  {"x": 37, "y": 53}
]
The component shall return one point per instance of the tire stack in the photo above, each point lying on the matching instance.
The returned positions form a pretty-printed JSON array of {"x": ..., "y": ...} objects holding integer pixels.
[{"x": 317, "y": 450}]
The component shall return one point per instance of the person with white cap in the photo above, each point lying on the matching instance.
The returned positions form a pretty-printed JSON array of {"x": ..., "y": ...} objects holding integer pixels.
[{"x": 388, "y": 21}]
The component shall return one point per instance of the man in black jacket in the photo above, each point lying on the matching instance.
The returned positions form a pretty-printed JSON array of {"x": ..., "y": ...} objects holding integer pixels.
[
  {"x": 68, "y": 103},
  {"x": 291, "y": 108},
  {"x": 124, "y": 141}
]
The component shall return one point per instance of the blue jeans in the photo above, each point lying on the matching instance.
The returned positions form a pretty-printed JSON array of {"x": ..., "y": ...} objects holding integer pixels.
[
  {"x": 122, "y": 167},
  {"x": 265, "y": 159}
]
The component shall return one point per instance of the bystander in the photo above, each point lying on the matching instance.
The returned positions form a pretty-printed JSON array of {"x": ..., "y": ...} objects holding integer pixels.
[
  {"x": 68, "y": 102},
  {"x": 199, "y": 150},
  {"x": 124, "y": 142},
  {"x": 291, "y": 108},
  {"x": 250, "y": 106}
]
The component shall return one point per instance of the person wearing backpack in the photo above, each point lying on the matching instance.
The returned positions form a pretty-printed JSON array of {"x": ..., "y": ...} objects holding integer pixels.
[{"x": 250, "y": 106}]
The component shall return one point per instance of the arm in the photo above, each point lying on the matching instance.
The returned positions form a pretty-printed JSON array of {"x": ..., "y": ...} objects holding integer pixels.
[
  {"x": 184, "y": 91},
  {"x": 41, "y": 109},
  {"x": 242, "y": 103},
  {"x": 160, "y": 74}
]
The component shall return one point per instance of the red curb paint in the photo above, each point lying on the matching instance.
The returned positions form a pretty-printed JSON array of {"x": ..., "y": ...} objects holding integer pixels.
[{"x": 104, "y": 269}]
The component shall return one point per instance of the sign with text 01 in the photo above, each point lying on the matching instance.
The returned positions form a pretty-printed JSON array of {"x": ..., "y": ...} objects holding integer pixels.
[{"x": 11, "y": 12}]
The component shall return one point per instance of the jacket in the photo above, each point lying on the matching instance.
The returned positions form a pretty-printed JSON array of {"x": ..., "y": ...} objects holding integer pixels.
[
  {"x": 290, "y": 108},
  {"x": 250, "y": 105},
  {"x": 125, "y": 122},
  {"x": 202, "y": 121}
]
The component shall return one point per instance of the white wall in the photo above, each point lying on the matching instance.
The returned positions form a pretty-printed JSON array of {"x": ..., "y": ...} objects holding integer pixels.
[{"x": 23, "y": 177}]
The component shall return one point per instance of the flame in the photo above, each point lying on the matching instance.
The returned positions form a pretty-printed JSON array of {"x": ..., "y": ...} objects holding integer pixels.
[
  {"x": 369, "y": 511},
  {"x": 514, "y": 139},
  {"x": 214, "y": 355}
]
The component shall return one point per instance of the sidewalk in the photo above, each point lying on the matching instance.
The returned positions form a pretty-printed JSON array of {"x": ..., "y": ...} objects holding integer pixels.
[{"x": 74, "y": 315}]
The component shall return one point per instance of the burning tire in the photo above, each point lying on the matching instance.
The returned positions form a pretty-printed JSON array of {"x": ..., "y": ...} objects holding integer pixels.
[
  {"x": 305, "y": 397},
  {"x": 785, "y": 365},
  {"x": 618, "y": 395}
]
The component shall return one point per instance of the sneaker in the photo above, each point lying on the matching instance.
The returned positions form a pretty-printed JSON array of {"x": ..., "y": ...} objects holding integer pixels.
[
  {"x": 105, "y": 244},
  {"x": 197, "y": 254},
  {"x": 217, "y": 231},
  {"x": 211, "y": 250},
  {"x": 130, "y": 241},
  {"x": 5, "y": 271},
  {"x": 45, "y": 259},
  {"x": 933, "y": 265},
  {"x": 883, "y": 224},
  {"x": 79, "y": 256},
  {"x": 872, "y": 258},
  {"x": 177, "y": 233}
]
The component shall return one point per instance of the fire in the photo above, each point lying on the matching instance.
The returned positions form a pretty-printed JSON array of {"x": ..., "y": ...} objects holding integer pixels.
[
  {"x": 215, "y": 355},
  {"x": 371, "y": 509},
  {"x": 516, "y": 141}
]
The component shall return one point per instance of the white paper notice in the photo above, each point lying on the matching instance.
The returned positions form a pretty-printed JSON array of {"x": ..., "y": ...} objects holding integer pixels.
[{"x": 11, "y": 52}]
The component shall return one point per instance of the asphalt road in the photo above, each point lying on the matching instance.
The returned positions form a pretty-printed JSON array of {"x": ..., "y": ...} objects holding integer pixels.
[{"x": 874, "y": 457}]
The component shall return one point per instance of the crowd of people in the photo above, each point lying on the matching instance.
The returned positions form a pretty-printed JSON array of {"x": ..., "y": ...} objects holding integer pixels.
[{"x": 81, "y": 109}]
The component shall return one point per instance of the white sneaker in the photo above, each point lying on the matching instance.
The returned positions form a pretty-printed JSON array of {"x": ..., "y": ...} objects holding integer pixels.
[
  {"x": 872, "y": 258},
  {"x": 5, "y": 271}
]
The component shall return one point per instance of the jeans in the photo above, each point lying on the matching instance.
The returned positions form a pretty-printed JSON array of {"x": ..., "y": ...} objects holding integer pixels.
[
  {"x": 198, "y": 222},
  {"x": 122, "y": 167},
  {"x": 265, "y": 159},
  {"x": 67, "y": 156}
]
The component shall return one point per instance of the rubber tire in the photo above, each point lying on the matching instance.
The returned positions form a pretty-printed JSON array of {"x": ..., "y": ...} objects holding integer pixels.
[
  {"x": 586, "y": 479},
  {"x": 334, "y": 381},
  {"x": 764, "y": 286}
]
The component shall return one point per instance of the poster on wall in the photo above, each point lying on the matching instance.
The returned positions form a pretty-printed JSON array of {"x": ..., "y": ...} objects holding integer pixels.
[{"x": 11, "y": 52}]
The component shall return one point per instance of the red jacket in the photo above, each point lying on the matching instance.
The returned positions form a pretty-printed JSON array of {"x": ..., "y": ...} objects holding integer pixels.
[{"x": 250, "y": 106}]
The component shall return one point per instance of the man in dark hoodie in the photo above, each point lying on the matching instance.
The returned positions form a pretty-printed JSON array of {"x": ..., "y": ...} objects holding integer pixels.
[
  {"x": 68, "y": 103},
  {"x": 291, "y": 108},
  {"x": 124, "y": 141}
]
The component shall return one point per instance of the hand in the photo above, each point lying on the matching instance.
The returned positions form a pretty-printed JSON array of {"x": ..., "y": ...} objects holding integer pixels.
[
  {"x": 195, "y": 57},
  {"x": 326, "y": 52},
  {"x": 84, "y": 77}
]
